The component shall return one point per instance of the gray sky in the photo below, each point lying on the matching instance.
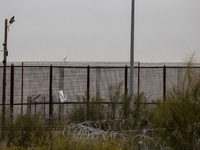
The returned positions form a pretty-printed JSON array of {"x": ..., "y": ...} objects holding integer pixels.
[{"x": 99, "y": 30}]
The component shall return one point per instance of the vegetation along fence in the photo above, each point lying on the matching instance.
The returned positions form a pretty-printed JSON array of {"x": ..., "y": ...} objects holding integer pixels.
[{"x": 30, "y": 88}]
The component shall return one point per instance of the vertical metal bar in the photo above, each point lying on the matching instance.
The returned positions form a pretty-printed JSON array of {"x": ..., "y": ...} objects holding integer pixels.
[
  {"x": 44, "y": 107},
  {"x": 11, "y": 90},
  {"x": 22, "y": 87},
  {"x": 138, "y": 79},
  {"x": 4, "y": 70},
  {"x": 126, "y": 80},
  {"x": 29, "y": 105},
  {"x": 132, "y": 56},
  {"x": 164, "y": 83},
  {"x": 50, "y": 94},
  {"x": 35, "y": 108},
  {"x": 88, "y": 90}
]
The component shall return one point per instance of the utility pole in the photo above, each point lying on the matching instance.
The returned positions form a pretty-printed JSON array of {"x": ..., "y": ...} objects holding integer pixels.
[
  {"x": 4, "y": 68},
  {"x": 132, "y": 56},
  {"x": 4, "y": 64}
]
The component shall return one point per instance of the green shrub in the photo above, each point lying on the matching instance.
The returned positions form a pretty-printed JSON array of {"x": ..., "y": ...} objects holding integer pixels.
[
  {"x": 91, "y": 111},
  {"x": 115, "y": 96},
  {"x": 179, "y": 117},
  {"x": 23, "y": 129}
]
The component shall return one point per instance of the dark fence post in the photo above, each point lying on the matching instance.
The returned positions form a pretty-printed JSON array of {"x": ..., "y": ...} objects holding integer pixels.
[
  {"x": 29, "y": 105},
  {"x": 22, "y": 87},
  {"x": 43, "y": 100},
  {"x": 50, "y": 94},
  {"x": 4, "y": 94},
  {"x": 164, "y": 83},
  {"x": 126, "y": 79},
  {"x": 11, "y": 89},
  {"x": 88, "y": 90},
  {"x": 138, "y": 79}
]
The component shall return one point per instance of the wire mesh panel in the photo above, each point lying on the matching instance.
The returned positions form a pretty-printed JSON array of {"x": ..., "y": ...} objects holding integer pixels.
[
  {"x": 17, "y": 95},
  {"x": 151, "y": 83},
  {"x": 178, "y": 77},
  {"x": 102, "y": 78},
  {"x": 35, "y": 87},
  {"x": 73, "y": 81},
  {"x": 175, "y": 77},
  {"x": 7, "y": 101}
]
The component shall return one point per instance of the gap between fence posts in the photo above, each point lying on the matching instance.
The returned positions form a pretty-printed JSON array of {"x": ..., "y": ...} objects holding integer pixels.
[
  {"x": 50, "y": 94},
  {"x": 164, "y": 83},
  {"x": 88, "y": 90},
  {"x": 61, "y": 87},
  {"x": 11, "y": 90}
]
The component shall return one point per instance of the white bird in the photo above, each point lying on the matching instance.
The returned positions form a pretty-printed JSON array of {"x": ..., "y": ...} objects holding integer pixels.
[{"x": 65, "y": 57}]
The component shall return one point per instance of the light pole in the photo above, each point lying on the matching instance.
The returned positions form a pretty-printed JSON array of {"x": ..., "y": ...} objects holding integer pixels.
[
  {"x": 4, "y": 63},
  {"x": 132, "y": 56}
]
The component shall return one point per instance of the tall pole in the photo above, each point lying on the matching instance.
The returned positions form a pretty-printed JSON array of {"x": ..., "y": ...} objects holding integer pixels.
[
  {"x": 4, "y": 69},
  {"x": 132, "y": 56}
]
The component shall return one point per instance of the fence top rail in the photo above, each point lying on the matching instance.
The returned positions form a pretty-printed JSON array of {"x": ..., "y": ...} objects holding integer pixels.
[{"x": 103, "y": 67}]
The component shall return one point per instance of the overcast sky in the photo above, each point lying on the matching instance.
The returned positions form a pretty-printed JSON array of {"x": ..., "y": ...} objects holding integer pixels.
[{"x": 99, "y": 30}]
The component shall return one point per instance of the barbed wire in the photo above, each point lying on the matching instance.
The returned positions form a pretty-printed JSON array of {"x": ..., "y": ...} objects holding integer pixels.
[{"x": 114, "y": 130}]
